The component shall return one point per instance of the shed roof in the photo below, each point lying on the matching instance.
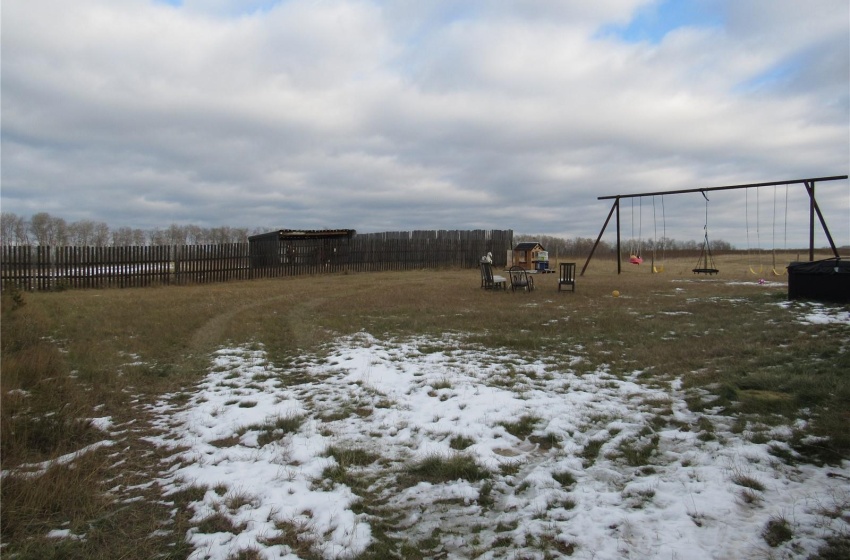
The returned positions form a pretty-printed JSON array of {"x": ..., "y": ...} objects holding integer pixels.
[
  {"x": 527, "y": 246},
  {"x": 304, "y": 234}
]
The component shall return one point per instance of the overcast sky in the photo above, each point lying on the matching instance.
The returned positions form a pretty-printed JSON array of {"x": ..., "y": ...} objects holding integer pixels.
[{"x": 411, "y": 114}]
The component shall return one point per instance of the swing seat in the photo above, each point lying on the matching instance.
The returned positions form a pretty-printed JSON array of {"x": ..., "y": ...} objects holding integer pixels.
[
  {"x": 705, "y": 271},
  {"x": 634, "y": 259},
  {"x": 658, "y": 269}
]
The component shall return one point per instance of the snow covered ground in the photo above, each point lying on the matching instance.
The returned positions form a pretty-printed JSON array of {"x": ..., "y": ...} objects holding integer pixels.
[{"x": 609, "y": 467}]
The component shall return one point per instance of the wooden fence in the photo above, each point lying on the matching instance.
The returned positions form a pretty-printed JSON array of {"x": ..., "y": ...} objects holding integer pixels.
[{"x": 51, "y": 268}]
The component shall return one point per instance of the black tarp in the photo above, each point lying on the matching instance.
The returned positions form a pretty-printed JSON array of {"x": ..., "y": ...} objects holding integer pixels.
[{"x": 826, "y": 280}]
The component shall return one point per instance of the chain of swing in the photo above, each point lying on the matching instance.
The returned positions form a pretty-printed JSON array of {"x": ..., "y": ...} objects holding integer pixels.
[
  {"x": 759, "y": 267},
  {"x": 636, "y": 246}
]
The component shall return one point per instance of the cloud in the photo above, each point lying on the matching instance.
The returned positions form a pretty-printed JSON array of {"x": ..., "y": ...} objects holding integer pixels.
[{"x": 417, "y": 115}]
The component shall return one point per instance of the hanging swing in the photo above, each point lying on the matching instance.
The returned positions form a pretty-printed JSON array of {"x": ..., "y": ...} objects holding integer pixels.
[
  {"x": 758, "y": 233},
  {"x": 634, "y": 256},
  {"x": 705, "y": 264},
  {"x": 658, "y": 268},
  {"x": 785, "y": 245}
]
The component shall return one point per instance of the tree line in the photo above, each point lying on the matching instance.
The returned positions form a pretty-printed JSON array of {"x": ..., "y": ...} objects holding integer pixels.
[
  {"x": 46, "y": 230},
  {"x": 583, "y": 245}
]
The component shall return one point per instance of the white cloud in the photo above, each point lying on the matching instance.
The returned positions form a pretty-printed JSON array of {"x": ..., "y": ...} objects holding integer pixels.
[{"x": 409, "y": 115}]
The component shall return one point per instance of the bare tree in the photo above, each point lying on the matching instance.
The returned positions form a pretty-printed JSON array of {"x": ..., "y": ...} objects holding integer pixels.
[
  {"x": 39, "y": 227},
  {"x": 81, "y": 233},
  {"x": 48, "y": 230},
  {"x": 220, "y": 235},
  {"x": 194, "y": 234},
  {"x": 13, "y": 229},
  {"x": 156, "y": 237},
  {"x": 239, "y": 235},
  {"x": 101, "y": 234},
  {"x": 175, "y": 235},
  {"x": 122, "y": 237}
]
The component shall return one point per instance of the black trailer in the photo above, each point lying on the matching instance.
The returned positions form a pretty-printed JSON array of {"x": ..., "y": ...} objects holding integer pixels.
[{"x": 826, "y": 280}]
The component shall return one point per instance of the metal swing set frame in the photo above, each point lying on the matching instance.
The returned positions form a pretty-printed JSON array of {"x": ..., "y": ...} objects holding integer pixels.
[{"x": 809, "y": 185}]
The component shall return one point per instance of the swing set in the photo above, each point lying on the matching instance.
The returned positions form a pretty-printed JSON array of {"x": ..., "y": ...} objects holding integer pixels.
[{"x": 705, "y": 265}]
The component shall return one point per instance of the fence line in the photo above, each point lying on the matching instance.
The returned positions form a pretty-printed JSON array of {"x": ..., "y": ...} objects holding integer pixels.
[{"x": 51, "y": 268}]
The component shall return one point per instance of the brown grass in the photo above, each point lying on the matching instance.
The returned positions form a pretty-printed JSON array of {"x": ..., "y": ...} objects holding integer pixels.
[{"x": 75, "y": 355}]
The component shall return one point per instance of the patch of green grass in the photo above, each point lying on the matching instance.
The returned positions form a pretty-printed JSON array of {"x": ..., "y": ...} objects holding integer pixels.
[
  {"x": 522, "y": 427},
  {"x": 510, "y": 468},
  {"x": 638, "y": 497},
  {"x": 438, "y": 468},
  {"x": 566, "y": 503},
  {"x": 835, "y": 548},
  {"x": 274, "y": 428},
  {"x": 561, "y": 548},
  {"x": 459, "y": 443},
  {"x": 781, "y": 452},
  {"x": 442, "y": 383},
  {"x": 638, "y": 453},
  {"x": 547, "y": 441},
  {"x": 747, "y": 481},
  {"x": 249, "y": 553},
  {"x": 564, "y": 478},
  {"x": 296, "y": 536},
  {"x": 185, "y": 496},
  {"x": 485, "y": 494},
  {"x": 591, "y": 451},
  {"x": 706, "y": 429},
  {"x": 219, "y": 523},
  {"x": 237, "y": 499},
  {"x": 337, "y": 474},
  {"x": 503, "y": 526},
  {"x": 777, "y": 531},
  {"x": 351, "y": 456}
]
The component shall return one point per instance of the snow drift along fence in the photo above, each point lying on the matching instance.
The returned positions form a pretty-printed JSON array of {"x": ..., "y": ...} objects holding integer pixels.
[{"x": 51, "y": 268}]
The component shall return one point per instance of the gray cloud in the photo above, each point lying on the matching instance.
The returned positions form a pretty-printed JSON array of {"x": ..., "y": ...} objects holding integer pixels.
[{"x": 418, "y": 115}]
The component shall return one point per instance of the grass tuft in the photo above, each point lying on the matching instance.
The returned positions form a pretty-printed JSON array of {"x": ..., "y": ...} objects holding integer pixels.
[
  {"x": 459, "y": 443},
  {"x": 523, "y": 427},
  {"x": 747, "y": 481},
  {"x": 351, "y": 456},
  {"x": 564, "y": 478},
  {"x": 777, "y": 531},
  {"x": 438, "y": 468}
]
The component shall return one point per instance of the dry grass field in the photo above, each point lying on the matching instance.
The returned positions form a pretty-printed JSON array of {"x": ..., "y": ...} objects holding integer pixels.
[{"x": 83, "y": 373}]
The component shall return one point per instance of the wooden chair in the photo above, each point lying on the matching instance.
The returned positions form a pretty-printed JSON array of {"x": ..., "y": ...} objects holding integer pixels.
[
  {"x": 567, "y": 275},
  {"x": 520, "y": 279},
  {"x": 490, "y": 281}
]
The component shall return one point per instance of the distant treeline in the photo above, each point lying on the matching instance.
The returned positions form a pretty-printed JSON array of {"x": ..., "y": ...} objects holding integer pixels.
[
  {"x": 42, "y": 229},
  {"x": 582, "y": 245}
]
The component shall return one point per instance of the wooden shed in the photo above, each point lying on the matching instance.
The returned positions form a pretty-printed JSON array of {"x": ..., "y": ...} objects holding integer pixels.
[
  {"x": 299, "y": 247},
  {"x": 530, "y": 255}
]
